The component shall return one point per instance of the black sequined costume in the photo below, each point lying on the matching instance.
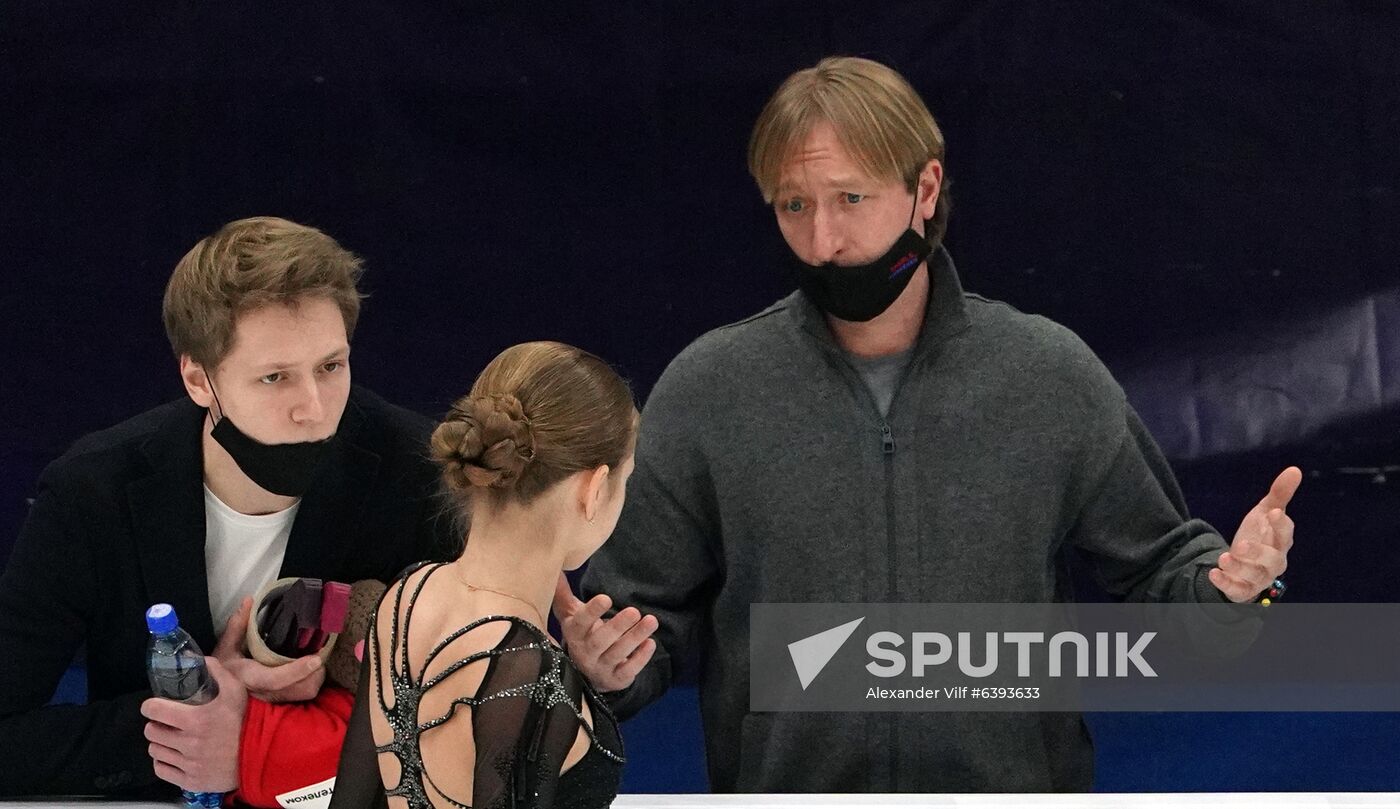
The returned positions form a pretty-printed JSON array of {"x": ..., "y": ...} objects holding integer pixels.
[{"x": 525, "y": 717}]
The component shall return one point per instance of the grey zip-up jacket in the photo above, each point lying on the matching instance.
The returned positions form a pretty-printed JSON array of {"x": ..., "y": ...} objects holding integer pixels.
[{"x": 765, "y": 473}]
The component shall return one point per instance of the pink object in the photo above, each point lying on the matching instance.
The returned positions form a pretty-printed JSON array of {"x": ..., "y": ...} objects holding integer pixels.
[
  {"x": 335, "y": 602},
  {"x": 360, "y": 651}
]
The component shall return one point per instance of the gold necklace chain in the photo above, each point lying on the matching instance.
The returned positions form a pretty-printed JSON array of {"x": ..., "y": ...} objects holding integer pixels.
[{"x": 544, "y": 622}]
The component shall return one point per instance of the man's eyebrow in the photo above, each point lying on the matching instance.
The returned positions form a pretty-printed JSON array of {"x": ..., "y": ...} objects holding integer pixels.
[
  {"x": 842, "y": 181},
  {"x": 283, "y": 366}
]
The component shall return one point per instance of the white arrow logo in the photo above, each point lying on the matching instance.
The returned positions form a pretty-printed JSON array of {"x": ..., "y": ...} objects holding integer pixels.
[{"x": 811, "y": 654}]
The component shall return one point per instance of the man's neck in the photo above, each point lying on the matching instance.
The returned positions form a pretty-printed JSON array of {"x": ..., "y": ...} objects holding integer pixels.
[
  {"x": 894, "y": 330},
  {"x": 233, "y": 488}
]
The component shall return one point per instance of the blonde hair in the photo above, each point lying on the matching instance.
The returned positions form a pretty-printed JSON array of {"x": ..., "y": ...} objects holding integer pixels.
[
  {"x": 538, "y": 413},
  {"x": 877, "y": 115},
  {"x": 248, "y": 264}
]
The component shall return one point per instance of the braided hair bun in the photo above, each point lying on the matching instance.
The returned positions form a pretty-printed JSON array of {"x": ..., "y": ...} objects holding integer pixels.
[
  {"x": 538, "y": 413},
  {"x": 485, "y": 441}
]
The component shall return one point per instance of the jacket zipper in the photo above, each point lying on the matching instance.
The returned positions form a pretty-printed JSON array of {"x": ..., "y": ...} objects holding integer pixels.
[{"x": 887, "y": 447}]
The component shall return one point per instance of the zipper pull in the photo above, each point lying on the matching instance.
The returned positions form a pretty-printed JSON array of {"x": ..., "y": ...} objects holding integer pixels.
[{"x": 886, "y": 439}]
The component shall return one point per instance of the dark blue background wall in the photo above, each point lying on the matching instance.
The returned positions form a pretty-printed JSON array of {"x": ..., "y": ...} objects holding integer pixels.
[{"x": 1189, "y": 185}]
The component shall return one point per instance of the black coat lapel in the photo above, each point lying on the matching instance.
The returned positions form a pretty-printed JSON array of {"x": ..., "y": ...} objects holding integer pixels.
[{"x": 167, "y": 514}]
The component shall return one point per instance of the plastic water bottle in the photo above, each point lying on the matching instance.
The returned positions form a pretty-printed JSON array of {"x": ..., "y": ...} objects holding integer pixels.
[{"x": 176, "y": 670}]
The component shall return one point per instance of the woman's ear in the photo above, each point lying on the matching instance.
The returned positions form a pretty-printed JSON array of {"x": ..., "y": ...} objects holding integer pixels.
[{"x": 595, "y": 486}]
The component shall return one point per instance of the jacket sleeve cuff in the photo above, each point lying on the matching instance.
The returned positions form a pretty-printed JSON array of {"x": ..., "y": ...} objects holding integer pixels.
[
  {"x": 628, "y": 701},
  {"x": 1207, "y": 593}
]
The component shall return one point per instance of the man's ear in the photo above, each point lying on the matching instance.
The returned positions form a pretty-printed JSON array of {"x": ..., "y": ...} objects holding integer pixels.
[
  {"x": 592, "y": 490},
  {"x": 930, "y": 183},
  {"x": 196, "y": 381}
]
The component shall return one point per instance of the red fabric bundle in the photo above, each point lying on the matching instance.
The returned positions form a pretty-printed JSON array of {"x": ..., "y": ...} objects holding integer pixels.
[{"x": 287, "y": 747}]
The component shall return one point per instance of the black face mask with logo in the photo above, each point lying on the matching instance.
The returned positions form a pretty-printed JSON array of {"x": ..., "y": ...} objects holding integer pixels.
[
  {"x": 285, "y": 469},
  {"x": 863, "y": 292}
]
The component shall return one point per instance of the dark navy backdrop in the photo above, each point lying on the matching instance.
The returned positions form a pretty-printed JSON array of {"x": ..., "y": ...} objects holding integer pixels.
[{"x": 1176, "y": 181}]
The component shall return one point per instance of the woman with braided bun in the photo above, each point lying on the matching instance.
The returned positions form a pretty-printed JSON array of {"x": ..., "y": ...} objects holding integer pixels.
[{"x": 466, "y": 700}]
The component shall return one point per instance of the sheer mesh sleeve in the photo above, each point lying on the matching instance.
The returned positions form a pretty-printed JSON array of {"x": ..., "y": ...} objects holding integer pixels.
[
  {"x": 523, "y": 725},
  {"x": 357, "y": 781}
]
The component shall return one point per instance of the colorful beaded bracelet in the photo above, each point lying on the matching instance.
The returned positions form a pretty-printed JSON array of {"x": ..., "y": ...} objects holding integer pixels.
[{"x": 1271, "y": 594}]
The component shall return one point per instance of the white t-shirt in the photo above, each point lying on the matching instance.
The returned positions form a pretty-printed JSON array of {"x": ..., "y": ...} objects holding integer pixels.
[{"x": 242, "y": 552}]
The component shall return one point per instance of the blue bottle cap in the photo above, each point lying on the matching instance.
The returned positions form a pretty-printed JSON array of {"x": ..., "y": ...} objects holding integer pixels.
[{"x": 161, "y": 618}]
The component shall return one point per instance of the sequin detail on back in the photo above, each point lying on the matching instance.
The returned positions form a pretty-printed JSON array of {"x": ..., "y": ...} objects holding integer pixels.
[{"x": 526, "y": 716}]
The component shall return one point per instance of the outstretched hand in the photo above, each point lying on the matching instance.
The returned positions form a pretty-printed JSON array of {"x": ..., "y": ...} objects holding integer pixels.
[
  {"x": 609, "y": 652},
  {"x": 1259, "y": 552}
]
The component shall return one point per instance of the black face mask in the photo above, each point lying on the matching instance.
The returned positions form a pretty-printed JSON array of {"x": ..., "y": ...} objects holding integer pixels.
[
  {"x": 864, "y": 291},
  {"x": 285, "y": 469}
]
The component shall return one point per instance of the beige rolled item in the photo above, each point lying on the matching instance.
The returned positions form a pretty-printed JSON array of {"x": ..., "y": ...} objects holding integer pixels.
[{"x": 257, "y": 647}]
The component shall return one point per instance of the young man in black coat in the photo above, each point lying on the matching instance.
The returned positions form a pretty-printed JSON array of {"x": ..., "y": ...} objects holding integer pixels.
[{"x": 274, "y": 466}]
